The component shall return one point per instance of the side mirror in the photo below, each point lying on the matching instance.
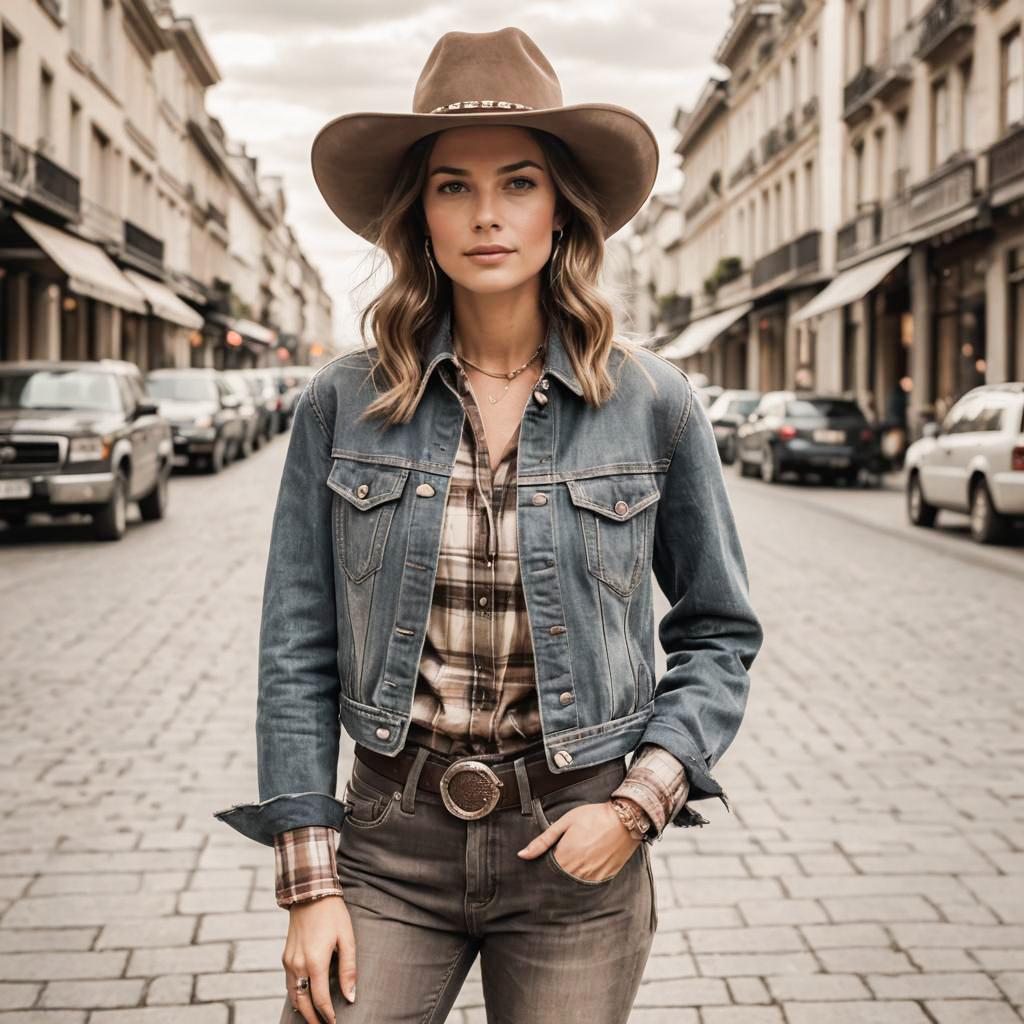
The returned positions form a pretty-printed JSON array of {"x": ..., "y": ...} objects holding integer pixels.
[
  {"x": 147, "y": 407},
  {"x": 931, "y": 429}
]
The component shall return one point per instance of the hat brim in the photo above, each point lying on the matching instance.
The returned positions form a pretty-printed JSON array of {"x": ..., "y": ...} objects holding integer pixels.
[{"x": 355, "y": 157}]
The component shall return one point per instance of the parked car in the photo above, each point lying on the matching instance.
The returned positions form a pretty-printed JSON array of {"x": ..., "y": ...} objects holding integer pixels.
[
  {"x": 81, "y": 437},
  {"x": 204, "y": 414},
  {"x": 973, "y": 462},
  {"x": 295, "y": 380},
  {"x": 727, "y": 412},
  {"x": 251, "y": 438},
  {"x": 823, "y": 434},
  {"x": 268, "y": 397}
]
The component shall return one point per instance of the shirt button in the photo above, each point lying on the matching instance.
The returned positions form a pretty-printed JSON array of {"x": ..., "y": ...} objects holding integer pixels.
[
  {"x": 563, "y": 758},
  {"x": 483, "y": 602},
  {"x": 362, "y": 490},
  {"x": 539, "y": 499},
  {"x": 382, "y": 733},
  {"x": 540, "y": 398},
  {"x": 425, "y": 490},
  {"x": 565, "y": 698},
  {"x": 489, "y": 564},
  {"x": 621, "y": 508}
]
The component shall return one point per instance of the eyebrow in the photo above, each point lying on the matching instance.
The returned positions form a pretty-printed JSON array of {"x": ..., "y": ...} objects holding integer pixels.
[{"x": 507, "y": 169}]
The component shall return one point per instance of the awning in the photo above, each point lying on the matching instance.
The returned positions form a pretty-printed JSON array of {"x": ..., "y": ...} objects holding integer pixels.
[
  {"x": 699, "y": 335},
  {"x": 851, "y": 285},
  {"x": 249, "y": 329},
  {"x": 164, "y": 303},
  {"x": 91, "y": 272}
]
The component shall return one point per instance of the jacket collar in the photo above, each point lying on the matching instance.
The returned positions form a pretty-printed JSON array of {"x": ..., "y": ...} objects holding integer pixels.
[{"x": 440, "y": 347}]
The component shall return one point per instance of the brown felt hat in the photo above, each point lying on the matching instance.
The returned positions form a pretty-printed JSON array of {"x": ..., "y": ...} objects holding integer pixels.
[{"x": 484, "y": 78}]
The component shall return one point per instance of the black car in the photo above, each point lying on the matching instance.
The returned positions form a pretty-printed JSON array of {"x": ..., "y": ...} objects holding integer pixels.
[
  {"x": 727, "y": 412},
  {"x": 826, "y": 435},
  {"x": 81, "y": 437},
  {"x": 204, "y": 412}
]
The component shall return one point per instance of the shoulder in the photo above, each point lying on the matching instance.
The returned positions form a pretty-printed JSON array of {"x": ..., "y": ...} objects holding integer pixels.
[
  {"x": 635, "y": 367},
  {"x": 344, "y": 382}
]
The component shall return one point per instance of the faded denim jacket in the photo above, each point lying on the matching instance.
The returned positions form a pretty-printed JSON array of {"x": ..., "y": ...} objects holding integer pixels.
[{"x": 604, "y": 496}]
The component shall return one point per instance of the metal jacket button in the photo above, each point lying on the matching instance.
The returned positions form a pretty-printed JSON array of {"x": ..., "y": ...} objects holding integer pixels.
[
  {"x": 563, "y": 758},
  {"x": 539, "y": 499},
  {"x": 362, "y": 490},
  {"x": 383, "y": 733},
  {"x": 540, "y": 398},
  {"x": 425, "y": 490},
  {"x": 565, "y": 698},
  {"x": 621, "y": 508}
]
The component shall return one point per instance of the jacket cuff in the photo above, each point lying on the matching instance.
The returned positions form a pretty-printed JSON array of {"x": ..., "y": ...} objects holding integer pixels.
[{"x": 262, "y": 821}]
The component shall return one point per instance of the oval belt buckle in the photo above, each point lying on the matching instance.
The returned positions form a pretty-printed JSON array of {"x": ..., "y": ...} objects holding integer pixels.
[{"x": 470, "y": 789}]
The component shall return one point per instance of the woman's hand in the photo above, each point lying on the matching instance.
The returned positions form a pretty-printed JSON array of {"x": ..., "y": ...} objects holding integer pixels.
[
  {"x": 592, "y": 839},
  {"x": 315, "y": 929}
]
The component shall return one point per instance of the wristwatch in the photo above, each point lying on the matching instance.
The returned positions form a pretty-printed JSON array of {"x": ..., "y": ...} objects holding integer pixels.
[{"x": 627, "y": 813}]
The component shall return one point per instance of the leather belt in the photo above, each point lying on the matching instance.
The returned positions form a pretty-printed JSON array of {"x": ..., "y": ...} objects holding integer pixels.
[{"x": 470, "y": 788}]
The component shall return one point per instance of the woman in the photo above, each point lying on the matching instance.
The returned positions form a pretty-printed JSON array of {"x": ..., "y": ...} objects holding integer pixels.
[{"x": 459, "y": 575}]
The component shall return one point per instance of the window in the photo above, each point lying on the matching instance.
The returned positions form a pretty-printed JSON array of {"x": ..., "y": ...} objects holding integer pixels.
[
  {"x": 880, "y": 155},
  {"x": 858, "y": 176},
  {"x": 99, "y": 168},
  {"x": 778, "y": 213},
  {"x": 812, "y": 68},
  {"x": 1012, "y": 73},
  {"x": 75, "y": 138},
  {"x": 45, "y": 142},
  {"x": 76, "y": 24},
  {"x": 960, "y": 419},
  {"x": 794, "y": 210},
  {"x": 109, "y": 30},
  {"x": 966, "y": 105},
  {"x": 901, "y": 154},
  {"x": 940, "y": 121},
  {"x": 794, "y": 82},
  {"x": 9, "y": 107},
  {"x": 810, "y": 200}
]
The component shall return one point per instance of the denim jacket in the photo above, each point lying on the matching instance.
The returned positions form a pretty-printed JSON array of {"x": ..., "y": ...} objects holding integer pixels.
[{"x": 604, "y": 496}]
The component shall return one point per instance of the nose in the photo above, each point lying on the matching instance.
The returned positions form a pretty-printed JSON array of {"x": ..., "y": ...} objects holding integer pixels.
[{"x": 485, "y": 214}]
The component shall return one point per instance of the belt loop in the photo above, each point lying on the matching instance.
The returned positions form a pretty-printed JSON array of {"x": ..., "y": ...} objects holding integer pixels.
[
  {"x": 412, "y": 781},
  {"x": 525, "y": 796}
]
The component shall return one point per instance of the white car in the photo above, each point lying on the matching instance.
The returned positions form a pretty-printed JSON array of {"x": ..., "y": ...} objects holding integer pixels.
[{"x": 973, "y": 463}]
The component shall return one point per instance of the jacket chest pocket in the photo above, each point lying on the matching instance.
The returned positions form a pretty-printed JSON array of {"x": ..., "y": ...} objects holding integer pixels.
[
  {"x": 367, "y": 496},
  {"x": 616, "y": 514}
]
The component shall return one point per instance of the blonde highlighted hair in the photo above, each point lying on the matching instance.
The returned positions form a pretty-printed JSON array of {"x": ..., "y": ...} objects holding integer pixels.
[{"x": 418, "y": 296}]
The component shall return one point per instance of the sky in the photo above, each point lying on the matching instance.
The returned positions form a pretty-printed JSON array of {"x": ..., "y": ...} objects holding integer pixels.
[{"x": 290, "y": 66}]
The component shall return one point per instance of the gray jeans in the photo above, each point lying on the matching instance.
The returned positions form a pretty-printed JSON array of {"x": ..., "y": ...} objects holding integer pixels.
[{"x": 428, "y": 891}]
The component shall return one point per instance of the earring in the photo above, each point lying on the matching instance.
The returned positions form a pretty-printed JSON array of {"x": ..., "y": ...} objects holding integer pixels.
[
  {"x": 556, "y": 274},
  {"x": 428, "y": 249}
]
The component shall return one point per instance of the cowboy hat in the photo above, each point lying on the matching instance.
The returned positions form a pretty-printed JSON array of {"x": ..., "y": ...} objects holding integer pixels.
[{"x": 484, "y": 78}]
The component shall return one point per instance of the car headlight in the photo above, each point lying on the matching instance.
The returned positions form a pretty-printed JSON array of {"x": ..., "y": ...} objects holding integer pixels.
[
  {"x": 89, "y": 449},
  {"x": 204, "y": 422}
]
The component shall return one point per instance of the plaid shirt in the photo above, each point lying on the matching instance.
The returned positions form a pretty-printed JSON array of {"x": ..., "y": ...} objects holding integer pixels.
[{"x": 476, "y": 692}]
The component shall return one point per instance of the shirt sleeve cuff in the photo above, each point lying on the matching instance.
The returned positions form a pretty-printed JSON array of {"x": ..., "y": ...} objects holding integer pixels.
[
  {"x": 656, "y": 781},
  {"x": 306, "y": 864}
]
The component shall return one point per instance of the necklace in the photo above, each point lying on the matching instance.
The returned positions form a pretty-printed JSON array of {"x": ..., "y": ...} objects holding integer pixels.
[{"x": 507, "y": 376}]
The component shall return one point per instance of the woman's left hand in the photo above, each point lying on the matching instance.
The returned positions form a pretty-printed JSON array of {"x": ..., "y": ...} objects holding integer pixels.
[{"x": 592, "y": 842}]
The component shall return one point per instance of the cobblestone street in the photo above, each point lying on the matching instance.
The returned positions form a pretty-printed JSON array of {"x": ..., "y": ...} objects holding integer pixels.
[{"x": 870, "y": 871}]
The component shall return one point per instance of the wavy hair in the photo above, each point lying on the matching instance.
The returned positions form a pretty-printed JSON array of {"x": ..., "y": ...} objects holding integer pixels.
[{"x": 418, "y": 296}]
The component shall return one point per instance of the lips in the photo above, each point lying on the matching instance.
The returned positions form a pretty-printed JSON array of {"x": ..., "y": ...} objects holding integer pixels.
[{"x": 484, "y": 250}]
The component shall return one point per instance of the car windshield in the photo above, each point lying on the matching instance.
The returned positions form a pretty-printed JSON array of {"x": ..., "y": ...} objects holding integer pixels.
[
  {"x": 742, "y": 406},
  {"x": 829, "y": 408},
  {"x": 184, "y": 388},
  {"x": 60, "y": 389}
]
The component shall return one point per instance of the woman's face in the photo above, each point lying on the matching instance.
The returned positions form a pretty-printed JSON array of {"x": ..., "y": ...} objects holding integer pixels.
[{"x": 488, "y": 185}]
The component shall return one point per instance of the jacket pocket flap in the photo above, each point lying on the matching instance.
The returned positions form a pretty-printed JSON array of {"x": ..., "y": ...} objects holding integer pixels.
[
  {"x": 618, "y": 496},
  {"x": 365, "y": 485}
]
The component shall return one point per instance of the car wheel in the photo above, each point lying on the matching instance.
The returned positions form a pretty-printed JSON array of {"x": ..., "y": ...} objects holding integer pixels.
[
  {"x": 770, "y": 467},
  {"x": 728, "y": 453},
  {"x": 257, "y": 440},
  {"x": 154, "y": 505},
  {"x": 217, "y": 459},
  {"x": 987, "y": 525},
  {"x": 741, "y": 464},
  {"x": 919, "y": 512},
  {"x": 851, "y": 477},
  {"x": 15, "y": 520},
  {"x": 247, "y": 446},
  {"x": 111, "y": 521}
]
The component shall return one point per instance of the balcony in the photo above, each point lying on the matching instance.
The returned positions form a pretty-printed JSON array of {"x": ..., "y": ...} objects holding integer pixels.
[
  {"x": 894, "y": 219},
  {"x": 1006, "y": 160},
  {"x": 53, "y": 187},
  {"x": 857, "y": 94},
  {"x": 771, "y": 143},
  {"x": 142, "y": 246},
  {"x": 789, "y": 260},
  {"x": 101, "y": 223},
  {"x": 793, "y": 11},
  {"x": 789, "y": 128},
  {"x": 216, "y": 215},
  {"x": 15, "y": 163},
  {"x": 810, "y": 109},
  {"x": 894, "y": 72},
  {"x": 949, "y": 190},
  {"x": 860, "y": 234},
  {"x": 945, "y": 24},
  {"x": 746, "y": 166}
]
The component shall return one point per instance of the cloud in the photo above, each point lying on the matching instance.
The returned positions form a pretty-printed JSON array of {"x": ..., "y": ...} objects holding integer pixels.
[{"x": 290, "y": 67}]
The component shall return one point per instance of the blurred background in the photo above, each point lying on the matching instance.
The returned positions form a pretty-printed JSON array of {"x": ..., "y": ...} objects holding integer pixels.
[{"x": 833, "y": 251}]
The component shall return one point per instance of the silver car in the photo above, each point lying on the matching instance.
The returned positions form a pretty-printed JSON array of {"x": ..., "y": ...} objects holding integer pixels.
[{"x": 973, "y": 462}]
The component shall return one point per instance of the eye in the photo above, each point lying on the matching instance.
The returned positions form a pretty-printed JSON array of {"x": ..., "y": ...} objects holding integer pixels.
[
  {"x": 442, "y": 188},
  {"x": 527, "y": 181}
]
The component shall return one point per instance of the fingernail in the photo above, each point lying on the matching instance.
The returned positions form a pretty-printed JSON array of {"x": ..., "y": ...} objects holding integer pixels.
[{"x": 352, "y": 994}]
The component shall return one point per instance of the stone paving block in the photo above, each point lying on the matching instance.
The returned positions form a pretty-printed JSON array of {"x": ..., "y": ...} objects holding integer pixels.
[
  {"x": 862, "y": 959},
  {"x": 169, "y": 990},
  {"x": 54, "y": 911},
  {"x": 933, "y": 887},
  {"x": 855, "y": 1013},
  {"x": 744, "y": 940},
  {"x": 23, "y": 940},
  {"x": 831, "y": 936},
  {"x": 932, "y": 986},
  {"x": 687, "y": 992},
  {"x": 684, "y": 867},
  {"x": 43, "y": 1017},
  {"x": 644, "y": 1016},
  {"x": 890, "y": 908},
  {"x": 271, "y": 924},
  {"x": 676, "y": 918},
  {"x": 817, "y": 987},
  {"x": 929, "y": 959},
  {"x": 162, "y": 931},
  {"x": 959, "y": 936},
  {"x": 675, "y": 965},
  {"x": 218, "y": 881},
  {"x": 741, "y": 1015},
  {"x": 258, "y": 1011},
  {"x": 207, "y": 958},
  {"x": 713, "y": 892},
  {"x": 1012, "y": 983},
  {"x": 240, "y": 985},
  {"x": 727, "y": 965},
  {"x": 999, "y": 959},
  {"x": 15, "y": 997},
  {"x": 41, "y": 966},
  {"x": 110, "y": 992},
  {"x": 825, "y": 864},
  {"x": 969, "y": 1011},
  {"x": 231, "y": 901},
  {"x": 210, "y": 1014},
  {"x": 766, "y": 865},
  {"x": 164, "y": 881},
  {"x": 1004, "y": 895},
  {"x": 748, "y": 990},
  {"x": 762, "y": 912}
]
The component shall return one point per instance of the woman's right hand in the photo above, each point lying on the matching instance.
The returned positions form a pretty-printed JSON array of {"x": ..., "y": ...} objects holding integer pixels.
[{"x": 315, "y": 929}]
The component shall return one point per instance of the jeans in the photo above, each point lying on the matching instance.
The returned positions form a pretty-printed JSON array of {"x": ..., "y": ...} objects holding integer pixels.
[{"x": 428, "y": 891}]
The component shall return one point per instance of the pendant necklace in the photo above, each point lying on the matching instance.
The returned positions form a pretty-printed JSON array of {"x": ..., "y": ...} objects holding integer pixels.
[{"x": 507, "y": 377}]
